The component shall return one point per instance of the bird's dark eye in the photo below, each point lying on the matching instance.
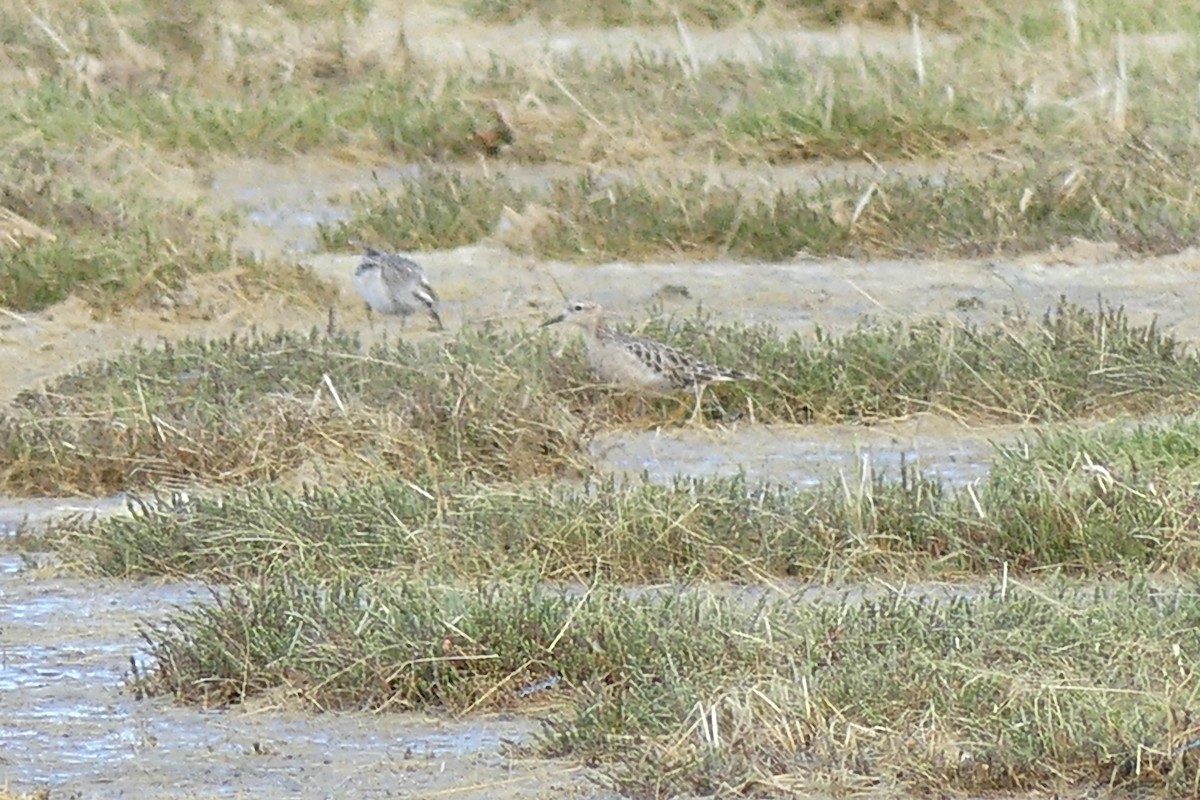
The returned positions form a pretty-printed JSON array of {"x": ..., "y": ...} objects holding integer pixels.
[{"x": 577, "y": 307}]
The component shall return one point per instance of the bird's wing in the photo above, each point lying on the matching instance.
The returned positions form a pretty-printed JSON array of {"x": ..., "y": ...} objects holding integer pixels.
[
  {"x": 399, "y": 272},
  {"x": 682, "y": 369},
  {"x": 425, "y": 289}
]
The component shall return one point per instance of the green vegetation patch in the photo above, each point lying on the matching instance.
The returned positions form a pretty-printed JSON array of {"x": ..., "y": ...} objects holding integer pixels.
[
  {"x": 681, "y": 693},
  {"x": 440, "y": 210},
  {"x": 93, "y": 222},
  {"x": 1136, "y": 193},
  {"x": 73, "y": 232},
  {"x": 385, "y": 116},
  {"x": 266, "y": 81},
  {"x": 776, "y": 112},
  {"x": 1106, "y": 502},
  {"x": 1039, "y": 22},
  {"x": 501, "y": 406},
  {"x": 253, "y": 409}
]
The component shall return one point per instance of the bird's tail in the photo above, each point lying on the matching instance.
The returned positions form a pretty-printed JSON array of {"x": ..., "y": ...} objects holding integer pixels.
[{"x": 719, "y": 374}]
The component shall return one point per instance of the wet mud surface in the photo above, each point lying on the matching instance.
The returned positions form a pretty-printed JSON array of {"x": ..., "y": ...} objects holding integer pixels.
[{"x": 18, "y": 514}]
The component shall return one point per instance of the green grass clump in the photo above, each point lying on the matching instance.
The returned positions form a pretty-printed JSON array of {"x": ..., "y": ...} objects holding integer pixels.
[
  {"x": 1035, "y": 22},
  {"x": 678, "y": 693},
  {"x": 775, "y": 112},
  {"x": 391, "y": 117},
  {"x": 246, "y": 410},
  {"x": 111, "y": 246},
  {"x": 93, "y": 224},
  {"x": 407, "y": 644},
  {"x": 440, "y": 210},
  {"x": 1071, "y": 362},
  {"x": 500, "y": 406},
  {"x": 1135, "y": 193},
  {"x": 1033, "y": 692},
  {"x": 1094, "y": 504}
]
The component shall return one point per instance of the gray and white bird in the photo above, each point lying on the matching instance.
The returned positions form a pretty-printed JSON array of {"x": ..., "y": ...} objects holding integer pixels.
[
  {"x": 393, "y": 284},
  {"x": 642, "y": 365}
]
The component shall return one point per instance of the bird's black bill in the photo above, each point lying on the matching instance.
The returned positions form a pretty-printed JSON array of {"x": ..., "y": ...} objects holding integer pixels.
[{"x": 553, "y": 320}]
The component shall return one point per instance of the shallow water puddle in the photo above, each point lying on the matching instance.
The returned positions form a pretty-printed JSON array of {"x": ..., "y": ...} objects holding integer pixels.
[
  {"x": 66, "y": 722},
  {"x": 805, "y": 456}
]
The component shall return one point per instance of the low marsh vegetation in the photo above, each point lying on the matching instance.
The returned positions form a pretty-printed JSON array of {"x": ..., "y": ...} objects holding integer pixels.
[
  {"x": 1038, "y": 22},
  {"x": 70, "y": 225},
  {"x": 1105, "y": 502},
  {"x": 1134, "y": 192},
  {"x": 497, "y": 406},
  {"x": 679, "y": 692},
  {"x": 266, "y": 82},
  {"x": 252, "y": 409},
  {"x": 718, "y": 13}
]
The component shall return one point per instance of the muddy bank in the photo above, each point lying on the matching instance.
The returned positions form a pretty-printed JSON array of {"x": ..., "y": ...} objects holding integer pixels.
[
  {"x": 489, "y": 285},
  {"x": 445, "y": 34}
]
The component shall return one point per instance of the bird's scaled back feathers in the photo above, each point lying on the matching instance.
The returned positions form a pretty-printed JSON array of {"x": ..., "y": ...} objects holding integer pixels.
[
  {"x": 682, "y": 370},
  {"x": 637, "y": 362}
]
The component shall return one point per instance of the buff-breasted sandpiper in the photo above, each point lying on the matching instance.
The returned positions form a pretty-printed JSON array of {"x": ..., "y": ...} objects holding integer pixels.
[{"x": 642, "y": 365}]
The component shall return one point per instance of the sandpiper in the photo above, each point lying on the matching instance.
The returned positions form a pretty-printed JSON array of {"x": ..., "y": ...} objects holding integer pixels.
[
  {"x": 642, "y": 365},
  {"x": 393, "y": 284}
]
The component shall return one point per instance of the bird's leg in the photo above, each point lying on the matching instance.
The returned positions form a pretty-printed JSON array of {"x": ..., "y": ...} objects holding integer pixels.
[
  {"x": 647, "y": 419},
  {"x": 370, "y": 319},
  {"x": 680, "y": 412},
  {"x": 724, "y": 414},
  {"x": 696, "y": 410},
  {"x": 633, "y": 408}
]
